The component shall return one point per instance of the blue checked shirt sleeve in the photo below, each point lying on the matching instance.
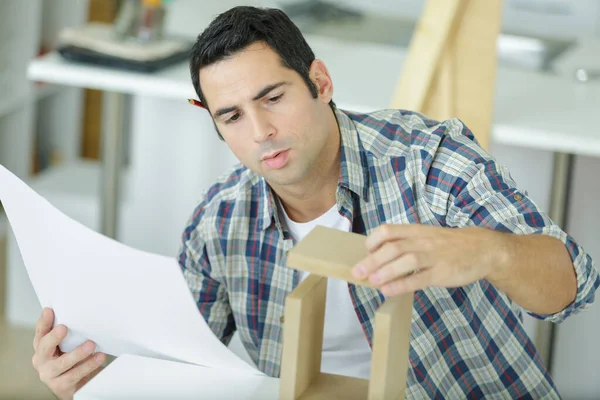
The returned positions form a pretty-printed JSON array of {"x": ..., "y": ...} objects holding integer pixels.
[
  {"x": 481, "y": 192},
  {"x": 209, "y": 293}
]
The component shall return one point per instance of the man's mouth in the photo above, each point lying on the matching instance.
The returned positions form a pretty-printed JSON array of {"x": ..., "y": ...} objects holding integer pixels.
[
  {"x": 277, "y": 159},
  {"x": 272, "y": 155}
]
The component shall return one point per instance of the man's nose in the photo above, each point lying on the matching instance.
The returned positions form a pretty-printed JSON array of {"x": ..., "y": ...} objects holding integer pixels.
[{"x": 263, "y": 128}]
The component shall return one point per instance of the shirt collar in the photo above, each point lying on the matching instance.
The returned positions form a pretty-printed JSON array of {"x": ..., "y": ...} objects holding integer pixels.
[
  {"x": 353, "y": 171},
  {"x": 353, "y": 158}
]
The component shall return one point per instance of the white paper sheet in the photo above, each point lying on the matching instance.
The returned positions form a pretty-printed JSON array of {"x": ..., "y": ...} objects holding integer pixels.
[
  {"x": 134, "y": 377},
  {"x": 125, "y": 300}
]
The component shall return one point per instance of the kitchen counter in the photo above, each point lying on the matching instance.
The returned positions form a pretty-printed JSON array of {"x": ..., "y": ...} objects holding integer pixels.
[{"x": 532, "y": 109}]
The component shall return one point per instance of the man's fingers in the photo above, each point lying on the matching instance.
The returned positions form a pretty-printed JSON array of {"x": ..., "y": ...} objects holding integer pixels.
[
  {"x": 411, "y": 283},
  {"x": 71, "y": 359},
  {"x": 48, "y": 343},
  {"x": 390, "y": 232},
  {"x": 394, "y": 250},
  {"x": 386, "y": 253},
  {"x": 68, "y": 382},
  {"x": 43, "y": 326},
  {"x": 395, "y": 269}
]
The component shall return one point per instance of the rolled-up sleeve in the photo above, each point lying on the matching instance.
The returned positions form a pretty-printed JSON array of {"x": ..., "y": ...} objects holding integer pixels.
[
  {"x": 482, "y": 193},
  {"x": 210, "y": 293}
]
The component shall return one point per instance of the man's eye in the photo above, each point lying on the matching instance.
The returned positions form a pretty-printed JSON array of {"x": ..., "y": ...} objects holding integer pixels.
[
  {"x": 275, "y": 99},
  {"x": 233, "y": 118}
]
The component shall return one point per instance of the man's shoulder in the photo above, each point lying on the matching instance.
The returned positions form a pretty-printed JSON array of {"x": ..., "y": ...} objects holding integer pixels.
[
  {"x": 230, "y": 184},
  {"x": 394, "y": 132},
  {"x": 237, "y": 184}
]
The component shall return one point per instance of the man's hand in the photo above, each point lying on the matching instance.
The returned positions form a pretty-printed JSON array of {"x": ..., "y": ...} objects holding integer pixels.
[
  {"x": 407, "y": 258},
  {"x": 63, "y": 373}
]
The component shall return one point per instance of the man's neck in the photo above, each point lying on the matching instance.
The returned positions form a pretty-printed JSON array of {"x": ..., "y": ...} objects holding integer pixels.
[
  {"x": 316, "y": 194},
  {"x": 310, "y": 204}
]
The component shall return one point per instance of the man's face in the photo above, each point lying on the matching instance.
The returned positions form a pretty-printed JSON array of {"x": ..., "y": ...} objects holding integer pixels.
[{"x": 267, "y": 115}]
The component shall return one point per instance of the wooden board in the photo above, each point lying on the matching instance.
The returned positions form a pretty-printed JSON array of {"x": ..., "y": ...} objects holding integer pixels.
[
  {"x": 329, "y": 252},
  {"x": 450, "y": 70},
  {"x": 425, "y": 53},
  {"x": 441, "y": 101},
  {"x": 303, "y": 337},
  {"x": 391, "y": 344},
  {"x": 476, "y": 59},
  {"x": 99, "y": 11},
  {"x": 336, "y": 387}
]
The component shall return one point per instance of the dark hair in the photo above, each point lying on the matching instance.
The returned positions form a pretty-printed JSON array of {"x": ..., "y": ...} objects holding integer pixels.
[{"x": 241, "y": 26}]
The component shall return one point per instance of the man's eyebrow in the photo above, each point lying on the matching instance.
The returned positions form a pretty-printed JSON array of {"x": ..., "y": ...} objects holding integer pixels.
[
  {"x": 258, "y": 96},
  {"x": 267, "y": 89},
  {"x": 226, "y": 110}
]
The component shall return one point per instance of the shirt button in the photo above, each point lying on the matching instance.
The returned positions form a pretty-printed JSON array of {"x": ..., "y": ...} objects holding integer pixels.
[
  {"x": 282, "y": 319},
  {"x": 518, "y": 197}
]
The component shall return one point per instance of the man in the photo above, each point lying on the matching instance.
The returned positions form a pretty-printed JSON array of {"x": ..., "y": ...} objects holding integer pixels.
[{"x": 442, "y": 219}]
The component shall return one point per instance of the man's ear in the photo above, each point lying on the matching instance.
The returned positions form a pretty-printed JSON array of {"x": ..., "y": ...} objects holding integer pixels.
[{"x": 319, "y": 74}]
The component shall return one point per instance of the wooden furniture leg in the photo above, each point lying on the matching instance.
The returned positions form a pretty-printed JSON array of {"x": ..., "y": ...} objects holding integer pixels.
[
  {"x": 303, "y": 336},
  {"x": 391, "y": 344}
]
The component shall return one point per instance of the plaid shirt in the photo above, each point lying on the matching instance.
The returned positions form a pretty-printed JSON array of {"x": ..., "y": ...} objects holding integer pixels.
[{"x": 397, "y": 167}]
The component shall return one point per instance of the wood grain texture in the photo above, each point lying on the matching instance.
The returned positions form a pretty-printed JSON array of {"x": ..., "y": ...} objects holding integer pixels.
[
  {"x": 391, "y": 344},
  {"x": 336, "y": 387},
  {"x": 99, "y": 11},
  {"x": 331, "y": 253},
  {"x": 426, "y": 49},
  {"x": 451, "y": 66},
  {"x": 303, "y": 337},
  {"x": 476, "y": 60}
]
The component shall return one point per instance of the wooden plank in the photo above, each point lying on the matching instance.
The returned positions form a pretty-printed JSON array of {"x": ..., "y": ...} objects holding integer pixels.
[
  {"x": 441, "y": 100},
  {"x": 476, "y": 64},
  {"x": 462, "y": 82},
  {"x": 98, "y": 11},
  {"x": 426, "y": 49},
  {"x": 302, "y": 337},
  {"x": 391, "y": 344},
  {"x": 336, "y": 387},
  {"x": 329, "y": 252},
  {"x": 92, "y": 127}
]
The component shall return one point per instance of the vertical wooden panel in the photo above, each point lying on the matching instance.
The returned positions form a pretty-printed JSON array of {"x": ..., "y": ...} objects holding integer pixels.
[
  {"x": 391, "y": 344},
  {"x": 99, "y": 11},
  {"x": 303, "y": 337},
  {"x": 476, "y": 63},
  {"x": 426, "y": 49},
  {"x": 441, "y": 102},
  {"x": 451, "y": 66}
]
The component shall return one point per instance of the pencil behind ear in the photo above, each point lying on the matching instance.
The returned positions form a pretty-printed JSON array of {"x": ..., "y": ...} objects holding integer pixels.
[{"x": 196, "y": 103}]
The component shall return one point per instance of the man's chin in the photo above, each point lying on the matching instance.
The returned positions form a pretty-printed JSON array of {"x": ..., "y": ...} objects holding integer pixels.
[{"x": 282, "y": 178}]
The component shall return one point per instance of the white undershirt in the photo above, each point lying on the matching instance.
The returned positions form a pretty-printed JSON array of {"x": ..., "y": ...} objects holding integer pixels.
[{"x": 345, "y": 347}]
